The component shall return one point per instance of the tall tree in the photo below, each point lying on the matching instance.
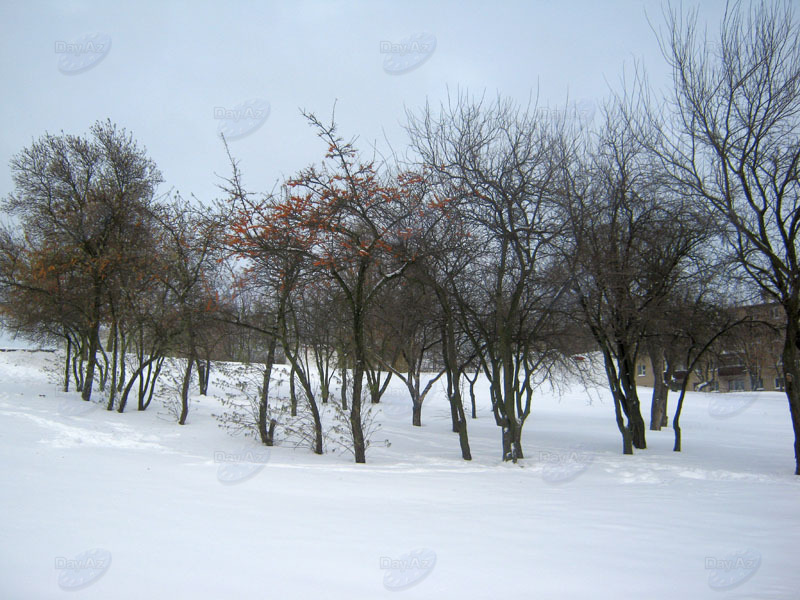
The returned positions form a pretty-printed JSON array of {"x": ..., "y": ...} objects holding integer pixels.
[
  {"x": 733, "y": 144},
  {"x": 188, "y": 239},
  {"x": 632, "y": 239},
  {"x": 345, "y": 222},
  {"x": 494, "y": 166},
  {"x": 81, "y": 200}
]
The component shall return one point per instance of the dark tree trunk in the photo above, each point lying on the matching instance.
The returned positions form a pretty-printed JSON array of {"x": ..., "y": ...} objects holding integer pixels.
[
  {"x": 102, "y": 367},
  {"x": 658, "y": 403},
  {"x": 453, "y": 374},
  {"x": 507, "y": 439},
  {"x": 617, "y": 395},
  {"x": 630, "y": 401},
  {"x": 344, "y": 388},
  {"x": 359, "y": 443},
  {"x": 299, "y": 373},
  {"x": 627, "y": 438},
  {"x": 206, "y": 377},
  {"x": 293, "y": 391},
  {"x": 668, "y": 374},
  {"x": 463, "y": 438},
  {"x": 137, "y": 375},
  {"x": 112, "y": 395},
  {"x": 77, "y": 364},
  {"x": 324, "y": 390},
  {"x": 676, "y": 420},
  {"x": 66, "y": 364},
  {"x": 152, "y": 382},
  {"x": 791, "y": 372},
  {"x": 265, "y": 427},
  {"x": 416, "y": 412},
  {"x": 676, "y": 424},
  {"x": 359, "y": 368},
  {"x": 376, "y": 385},
  {"x": 187, "y": 381},
  {"x": 518, "y": 453},
  {"x": 94, "y": 344},
  {"x": 453, "y": 412},
  {"x": 123, "y": 363},
  {"x": 317, "y": 422},
  {"x": 472, "y": 391},
  {"x": 203, "y": 375}
]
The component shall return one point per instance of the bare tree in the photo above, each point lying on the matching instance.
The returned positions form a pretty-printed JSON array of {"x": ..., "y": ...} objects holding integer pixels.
[
  {"x": 700, "y": 321},
  {"x": 495, "y": 165},
  {"x": 632, "y": 240},
  {"x": 733, "y": 145},
  {"x": 410, "y": 317},
  {"x": 188, "y": 239}
]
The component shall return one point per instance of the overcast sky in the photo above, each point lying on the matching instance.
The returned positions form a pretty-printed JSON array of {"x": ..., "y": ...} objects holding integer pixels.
[{"x": 177, "y": 73}]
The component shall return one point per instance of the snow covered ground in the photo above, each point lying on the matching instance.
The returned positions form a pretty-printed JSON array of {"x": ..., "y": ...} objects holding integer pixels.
[{"x": 102, "y": 505}]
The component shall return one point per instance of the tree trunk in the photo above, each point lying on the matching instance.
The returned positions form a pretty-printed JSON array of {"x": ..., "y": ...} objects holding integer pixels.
[
  {"x": 187, "y": 380},
  {"x": 359, "y": 443},
  {"x": 668, "y": 374},
  {"x": 293, "y": 391},
  {"x": 156, "y": 373},
  {"x": 506, "y": 440},
  {"x": 517, "y": 441},
  {"x": 136, "y": 375},
  {"x": 472, "y": 392},
  {"x": 453, "y": 412},
  {"x": 416, "y": 412},
  {"x": 66, "y": 364},
  {"x": 453, "y": 374},
  {"x": 617, "y": 395},
  {"x": 324, "y": 389},
  {"x": 344, "y": 388},
  {"x": 377, "y": 386},
  {"x": 264, "y": 429},
  {"x": 112, "y": 395},
  {"x": 312, "y": 403},
  {"x": 660, "y": 389},
  {"x": 627, "y": 438},
  {"x": 791, "y": 373},
  {"x": 203, "y": 375},
  {"x": 123, "y": 363},
  {"x": 102, "y": 366},
  {"x": 676, "y": 422},
  {"x": 77, "y": 364},
  {"x": 94, "y": 343},
  {"x": 630, "y": 401},
  {"x": 463, "y": 438}
]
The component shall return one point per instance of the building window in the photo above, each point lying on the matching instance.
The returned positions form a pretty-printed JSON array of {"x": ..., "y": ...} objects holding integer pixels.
[
  {"x": 642, "y": 370},
  {"x": 736, "y": 385},
  {"x": 779, "y": 383}
]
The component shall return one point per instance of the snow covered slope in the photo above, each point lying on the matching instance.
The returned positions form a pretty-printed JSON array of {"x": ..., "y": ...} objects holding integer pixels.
[{"x": 103, "y": 505}]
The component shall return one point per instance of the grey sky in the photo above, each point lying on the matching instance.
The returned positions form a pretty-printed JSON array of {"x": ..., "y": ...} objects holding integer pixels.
[{"x": 171, "y": 64}]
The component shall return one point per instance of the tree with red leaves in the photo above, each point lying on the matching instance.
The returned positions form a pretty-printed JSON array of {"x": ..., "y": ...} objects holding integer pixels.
[{"x": 343, "y": 221}]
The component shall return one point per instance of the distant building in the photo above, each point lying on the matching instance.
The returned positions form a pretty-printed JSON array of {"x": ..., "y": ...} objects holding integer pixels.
[{"x": 748, "y": 359}]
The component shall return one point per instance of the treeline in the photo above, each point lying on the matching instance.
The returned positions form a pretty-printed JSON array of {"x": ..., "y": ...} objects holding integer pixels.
[{"x": 509, "y": 240}]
